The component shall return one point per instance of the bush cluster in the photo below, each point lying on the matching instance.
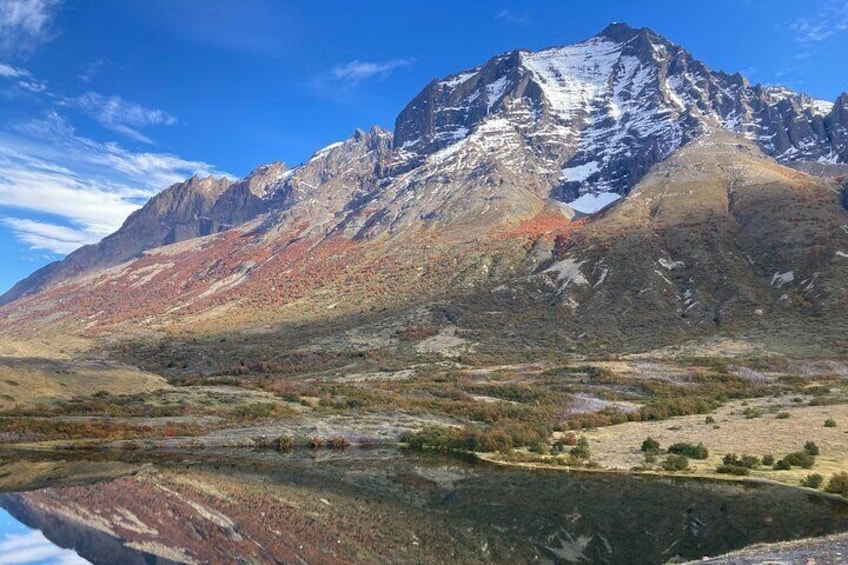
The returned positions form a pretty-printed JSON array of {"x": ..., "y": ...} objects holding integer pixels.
[
  {"x": 733, "y": 464},
  {"x": 689, "y": 450}
]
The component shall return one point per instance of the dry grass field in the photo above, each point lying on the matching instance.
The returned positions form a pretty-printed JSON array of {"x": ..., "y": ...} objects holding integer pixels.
[
  {"x": 618, "y": 447},
  {"x": 24, "y": 382}
]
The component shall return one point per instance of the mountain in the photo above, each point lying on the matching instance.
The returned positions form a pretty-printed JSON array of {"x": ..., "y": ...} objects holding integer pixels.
[{"x": 499, "y": 177}]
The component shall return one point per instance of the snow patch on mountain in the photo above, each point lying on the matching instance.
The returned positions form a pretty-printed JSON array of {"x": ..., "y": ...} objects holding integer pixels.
[
  {"x": 495, "y": 91},
  {"x": 592, "y": 203},
  {"x": 580, "y": 172},
  {"x": 572, "y": 77},
  {"x": 323, "y": 152}
]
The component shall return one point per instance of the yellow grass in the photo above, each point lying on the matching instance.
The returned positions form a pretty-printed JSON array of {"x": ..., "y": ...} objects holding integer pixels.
[
  {"x": 31, "y": 381},
  {"x": 618, "y": 447}
]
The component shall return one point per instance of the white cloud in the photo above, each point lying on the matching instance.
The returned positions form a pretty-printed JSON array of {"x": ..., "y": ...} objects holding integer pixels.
[
  {"x": 122, "y": 116},
  {"x": 46, "y": 236},
  {"x": 7, "y": 71},
  {"x": 24, "y": 24},
  {"x": 89, "y": 186},
  {"x": 821, "y": 26},
  {"x": 355, "y": 72}
]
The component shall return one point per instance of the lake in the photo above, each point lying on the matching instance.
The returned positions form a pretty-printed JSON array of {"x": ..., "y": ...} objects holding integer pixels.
[{"x": 381, "y": 506}]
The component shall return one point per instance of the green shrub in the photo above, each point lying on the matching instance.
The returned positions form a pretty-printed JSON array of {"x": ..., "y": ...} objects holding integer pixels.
[
  {"x": 730, "y": 459},
  {"x": 768, "y": 459},
  {"x": 650, "y": 444},
  {"x": 675, "y": 462},
  {"x": 800, "y": 459},
  {"x": 735, "y": 465},
  {"x": 732, "y": 470},
  {"x": 746, "y": 461},
  {"x": 782, "y": 465},
  {"x": 782, "y": 415},
  {"x": 838, "y": 484},
  {"x": 690, "y": 450},
  {"x": 813, "y": 480},
  {"x": 830, "y": 423},
  {"x": 810, "y": 448},
  {"x": 709, "y": 420}
]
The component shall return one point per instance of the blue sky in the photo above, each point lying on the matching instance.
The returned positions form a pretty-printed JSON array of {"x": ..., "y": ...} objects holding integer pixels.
[{"x": 104, "y": 103}]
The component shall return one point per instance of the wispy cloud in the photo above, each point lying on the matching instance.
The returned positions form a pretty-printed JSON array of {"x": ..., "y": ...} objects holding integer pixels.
[
  {"x": 511, "y": 17},
  {"x": 354, "y": 72},
  {"x": 22, "y": 78},
  {"x": 8, "y": 71},
  {"x": 122, "y": 116},
  {"x": 88, "y": 187},
  {"x": 823, "y": 25},
  {"x": 91, "y": 70},
  {"x": 112, "y": 112},
  {"x": 44, "y": 236},
  {"x": 25, "y": 24}
]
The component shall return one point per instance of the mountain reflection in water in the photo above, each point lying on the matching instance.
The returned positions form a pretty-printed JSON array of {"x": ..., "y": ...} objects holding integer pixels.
[{"x": 381, "y": 506}]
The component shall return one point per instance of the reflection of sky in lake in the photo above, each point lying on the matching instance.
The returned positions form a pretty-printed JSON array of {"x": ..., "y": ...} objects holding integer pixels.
[{"x": 22, "y": 545}]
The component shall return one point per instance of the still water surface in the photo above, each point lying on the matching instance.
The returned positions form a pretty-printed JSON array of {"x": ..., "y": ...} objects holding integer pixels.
[{"x": 383, "y": 506}]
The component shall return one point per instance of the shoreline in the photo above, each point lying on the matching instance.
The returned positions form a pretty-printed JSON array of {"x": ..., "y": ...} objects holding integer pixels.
[
  {"x": 691, "y": 476},
  {"x": 194, "y": 446}
]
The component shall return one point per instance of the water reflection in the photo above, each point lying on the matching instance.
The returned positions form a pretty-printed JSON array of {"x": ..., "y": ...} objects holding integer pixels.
[
  {"x": 20, "y": 544},
  {"x": 379, "y": 506}
]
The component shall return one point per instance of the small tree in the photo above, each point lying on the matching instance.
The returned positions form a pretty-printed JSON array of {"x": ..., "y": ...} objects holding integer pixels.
[{"x": 768, "y": 459}]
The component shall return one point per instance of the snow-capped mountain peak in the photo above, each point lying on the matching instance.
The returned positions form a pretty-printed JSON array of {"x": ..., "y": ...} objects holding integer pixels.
[{"x": 604, "y": 110}]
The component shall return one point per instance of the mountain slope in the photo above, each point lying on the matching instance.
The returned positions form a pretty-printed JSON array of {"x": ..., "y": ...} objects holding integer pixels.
[
  {"x": 488, "y": 172},
  {"x": 718, "y": 238},
  {"x": 580, "y": 124},
  {"x": 183, "y": 211}
]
